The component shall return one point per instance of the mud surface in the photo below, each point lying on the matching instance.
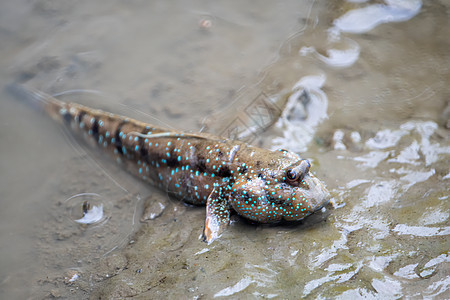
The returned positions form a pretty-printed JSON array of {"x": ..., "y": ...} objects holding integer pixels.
[{"x": 360, "y": 88}]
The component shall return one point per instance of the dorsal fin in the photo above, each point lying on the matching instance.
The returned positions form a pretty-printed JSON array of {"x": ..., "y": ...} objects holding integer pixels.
[{"x": 168, "y": 135}]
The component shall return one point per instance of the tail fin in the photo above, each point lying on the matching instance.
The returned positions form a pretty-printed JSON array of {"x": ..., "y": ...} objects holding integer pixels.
[{"x": 38, "y": 99}]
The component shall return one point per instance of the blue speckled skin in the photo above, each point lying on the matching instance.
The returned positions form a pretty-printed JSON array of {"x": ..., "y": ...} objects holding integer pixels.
[{"x": 260, "y": 185}]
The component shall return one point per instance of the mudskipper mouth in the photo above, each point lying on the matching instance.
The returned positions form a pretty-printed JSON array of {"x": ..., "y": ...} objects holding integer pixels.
[
  {"x": 322, "y": 205},
  {"x": 323, "y": 201},
  {"x": 317, "y": 194}
]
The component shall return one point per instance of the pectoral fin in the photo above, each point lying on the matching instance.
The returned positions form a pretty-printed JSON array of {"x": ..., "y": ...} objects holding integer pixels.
[{"x": 217, "y": 214}]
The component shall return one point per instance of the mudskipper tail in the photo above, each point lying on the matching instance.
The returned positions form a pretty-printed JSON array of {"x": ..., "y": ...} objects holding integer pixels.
[{"x": 40, "y": 100}]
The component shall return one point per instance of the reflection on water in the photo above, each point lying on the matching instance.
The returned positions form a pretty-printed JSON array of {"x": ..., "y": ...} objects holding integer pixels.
[
  {"x": 86, "y": 208},
  {"x": 337, "y": 57},
  {"x": 367, "y": 18},
  {"x": 401, "y": 172},
  {"x": 358, "y": 87},
  {"x": 298, "y": 124}
]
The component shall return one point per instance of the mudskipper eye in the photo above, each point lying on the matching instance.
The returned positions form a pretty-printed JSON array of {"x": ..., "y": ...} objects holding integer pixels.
[
  {"x": 298, "y": 172},
  {"x": 292, "y": 175}
]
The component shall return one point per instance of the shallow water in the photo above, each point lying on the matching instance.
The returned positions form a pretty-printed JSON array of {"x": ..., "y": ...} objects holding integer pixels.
[{"x": 374, "y": 121}]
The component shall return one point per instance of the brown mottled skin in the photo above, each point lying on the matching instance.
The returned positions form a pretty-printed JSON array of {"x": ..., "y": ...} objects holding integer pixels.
[{"x": 260, "y": 185}]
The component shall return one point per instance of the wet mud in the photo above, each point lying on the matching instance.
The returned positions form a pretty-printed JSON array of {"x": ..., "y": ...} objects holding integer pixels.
[{"x": 365, "y": 99}]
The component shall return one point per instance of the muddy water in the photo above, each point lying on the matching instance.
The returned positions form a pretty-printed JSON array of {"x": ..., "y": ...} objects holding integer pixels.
[{"x": 359, "y": 87}]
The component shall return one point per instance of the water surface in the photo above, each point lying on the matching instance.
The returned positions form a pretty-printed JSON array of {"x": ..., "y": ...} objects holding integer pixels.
[{"x": 358, "y": 87}]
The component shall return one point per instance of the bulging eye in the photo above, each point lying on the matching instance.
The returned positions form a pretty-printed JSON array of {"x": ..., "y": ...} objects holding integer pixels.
[
  {"x": 292, "y": 175},
  {"x": 296, "y": 174}
]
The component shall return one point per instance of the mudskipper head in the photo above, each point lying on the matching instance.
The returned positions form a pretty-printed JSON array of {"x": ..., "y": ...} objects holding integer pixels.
[
  {"x": 289, "y": 192},
  {"x": 308, "y": 193}
]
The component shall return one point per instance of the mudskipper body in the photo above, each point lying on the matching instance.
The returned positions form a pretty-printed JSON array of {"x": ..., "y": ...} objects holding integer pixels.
[{"x": 225, "y": 175}]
